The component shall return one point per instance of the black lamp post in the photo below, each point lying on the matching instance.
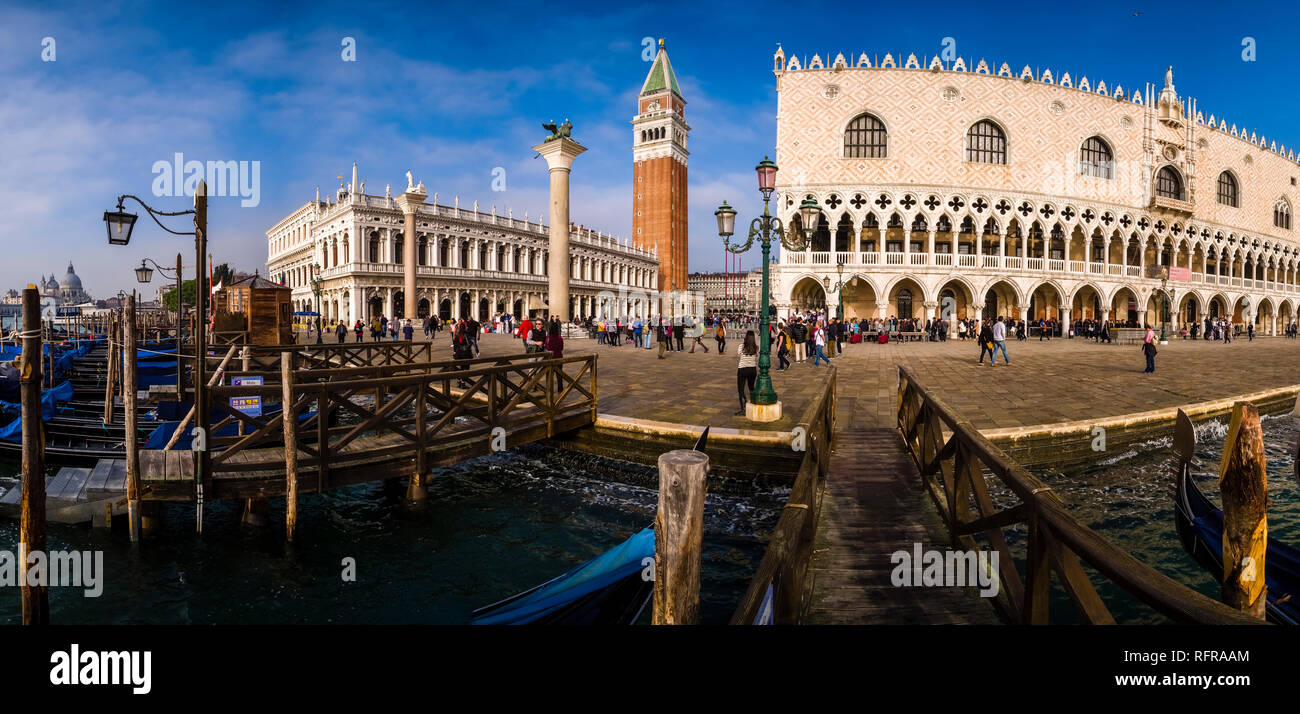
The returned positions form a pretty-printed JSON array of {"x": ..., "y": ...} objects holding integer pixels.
[
  {"x": 120, "y": 224},
  {"x": 838, "y": 287},
  {"x": 1168, "y": 294},
  {"x": 765, "y": 229},
  {"x": 144, "y": 274},
  {"x": 315, "y": 288}
]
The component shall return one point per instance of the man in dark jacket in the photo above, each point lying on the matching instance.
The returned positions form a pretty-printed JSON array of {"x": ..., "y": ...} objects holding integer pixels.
[
  {"x": 799, "y": 333},
  {"x": 986, "y": 342}
]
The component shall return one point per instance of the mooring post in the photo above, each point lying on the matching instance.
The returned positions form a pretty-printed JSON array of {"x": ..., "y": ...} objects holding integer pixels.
[
  {"x": 129, "y": 414},
  {"x": 110, "y": 372},
  {"x": 1243, "y": 488},
  {"x": 290, "y": 416},
  {"x": 1295, "y": 461},
  {"x": 31, "y": 529},
  {"x": 679, "y": 534}
]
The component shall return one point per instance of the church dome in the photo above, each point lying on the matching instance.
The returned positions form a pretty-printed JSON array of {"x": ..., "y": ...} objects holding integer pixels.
[
  {"x": 70, "y": 281},
  {"x": 51, "y": 284}
]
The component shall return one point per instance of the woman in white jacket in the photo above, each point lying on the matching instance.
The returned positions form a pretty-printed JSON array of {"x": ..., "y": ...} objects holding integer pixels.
[{"x": 747, "y": 369}]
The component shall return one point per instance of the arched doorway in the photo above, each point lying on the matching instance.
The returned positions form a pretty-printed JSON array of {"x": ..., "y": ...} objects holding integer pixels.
[
  {"x": 999, "y": 301},
  {"x": 376, "y": 308},
  {"x": 808, "y": 294},
  {"x": 484, "y": 310},
  {"x": 955, "y": 301},
  {"x": 466, "y": 302},
  {"x": 903, "y": 302},
  {"x": 519, "y": 308},
  {"x": 859, "y": 298},
  {"x": 399, "y": 305},
  {"x": 444, "y": 309},
  {"x": 1190, "y": 309},
  {"x": 422, "y": 308},
  {"x": 906, "y": 299},
  {"x": 1124, "y": 306},
  {"x": 1086, "y": 304}
]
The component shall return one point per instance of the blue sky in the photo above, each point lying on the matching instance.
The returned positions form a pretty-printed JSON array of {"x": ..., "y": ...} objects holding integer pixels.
[{"x": 453, "y": 92}]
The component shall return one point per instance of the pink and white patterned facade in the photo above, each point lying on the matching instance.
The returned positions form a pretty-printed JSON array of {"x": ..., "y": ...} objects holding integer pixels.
[{"x": 1032, "y": 194}]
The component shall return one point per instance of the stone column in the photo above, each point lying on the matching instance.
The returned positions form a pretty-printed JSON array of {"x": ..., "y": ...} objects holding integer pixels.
[
  {"x": 559, "y": 154},
  {"x": 409, "y": 202}
]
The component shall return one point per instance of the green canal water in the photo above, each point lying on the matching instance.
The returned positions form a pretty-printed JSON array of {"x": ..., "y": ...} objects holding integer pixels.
[
  {"x": 490, "y": 528},
  {"x": 1129, "y": 498}
]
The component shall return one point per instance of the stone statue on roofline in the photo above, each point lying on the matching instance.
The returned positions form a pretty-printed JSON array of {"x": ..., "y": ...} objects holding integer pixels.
[{"x": 410, "y": 181}]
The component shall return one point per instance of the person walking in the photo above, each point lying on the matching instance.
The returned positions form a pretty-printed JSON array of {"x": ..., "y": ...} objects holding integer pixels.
[
  {"x": 408, "y": 331},
  {"x": 554, "y": 343},
  {"x": 1000, "y": 342},
  {"x": 661, "y": 337},
  {"x": 986, "y": 342},
  {"x": 720, "y": 336},
  {"x": 1149, "y": 349},
  {"x": 697, "y": 337},
  {"x": 359, "y": 330},
  {"x": 783, "y": 348},
  {"x": 799, "y": 333},
  {"x": 818, "y": 343},
  {"x": 747, "y": 369},
  {"x": 679, "y": 332},
  {"x": 461, "y": 350},
  {"x": 341, "y": 333}
]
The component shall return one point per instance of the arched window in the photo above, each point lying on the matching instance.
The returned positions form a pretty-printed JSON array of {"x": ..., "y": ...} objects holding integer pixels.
[
  {"x": 1228, "y": 190},
  {"x": 1282, "y": 214},
  {"x": 1096, "y": 159},
  {"x": 986, "y": 144},
  {"x": 1169, "y": 184},
  {"x": 374, "y": 247},
  {"x": 866, "y": 138}
]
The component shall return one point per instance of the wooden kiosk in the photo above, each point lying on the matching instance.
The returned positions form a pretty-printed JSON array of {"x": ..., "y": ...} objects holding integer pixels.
[{"x": 256, "y": 307}]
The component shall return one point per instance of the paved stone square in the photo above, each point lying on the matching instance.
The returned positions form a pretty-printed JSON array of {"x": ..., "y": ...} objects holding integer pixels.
[{"x": 1050, "y": 381}]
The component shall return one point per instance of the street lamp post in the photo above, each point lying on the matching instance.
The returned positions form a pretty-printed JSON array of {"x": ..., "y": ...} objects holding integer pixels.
[
  {"x": 1168, "y": 295},
  {"x": 315, "y": 288},
  {"x": 838, "y": 287},
  {"x": 144, "y": 274},
  {"x": 763, "y": 404},
  {"x": 120, "y": 224}
]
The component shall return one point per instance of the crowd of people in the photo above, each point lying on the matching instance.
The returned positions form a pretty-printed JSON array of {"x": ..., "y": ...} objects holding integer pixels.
[{"x": 799, "y": 338}]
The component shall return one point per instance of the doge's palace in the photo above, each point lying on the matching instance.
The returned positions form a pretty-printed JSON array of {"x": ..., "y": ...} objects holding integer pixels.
[{"x": 1032, "y": 194}]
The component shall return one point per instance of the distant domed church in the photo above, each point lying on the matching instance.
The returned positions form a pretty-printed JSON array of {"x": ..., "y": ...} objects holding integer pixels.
[{"x": 65, "y": 292}]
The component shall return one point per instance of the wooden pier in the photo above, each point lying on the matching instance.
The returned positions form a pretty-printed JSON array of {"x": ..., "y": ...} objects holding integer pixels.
[
  {"x": 872, "y": 507},
  {"x": 359, "y": 424}
]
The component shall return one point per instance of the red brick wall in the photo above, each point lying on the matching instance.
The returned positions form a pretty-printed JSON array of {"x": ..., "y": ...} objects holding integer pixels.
[{"x": 659, "y": 217}]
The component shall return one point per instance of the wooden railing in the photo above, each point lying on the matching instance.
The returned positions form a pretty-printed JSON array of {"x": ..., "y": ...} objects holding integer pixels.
[
  {"x": 419, "y": 415},
  {"x": 955, "y": 461},
  {"x": 777, "y": 594},
  {"x": 344, "y": 354}
]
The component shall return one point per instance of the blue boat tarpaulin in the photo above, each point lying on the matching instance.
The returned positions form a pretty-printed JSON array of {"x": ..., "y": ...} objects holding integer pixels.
[
  {"x": 50, "y": 398},
  {"x": 612, "y": 566}
]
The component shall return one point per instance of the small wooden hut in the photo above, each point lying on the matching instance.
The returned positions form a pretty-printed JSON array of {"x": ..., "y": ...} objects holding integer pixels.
[{"x": 257, "y": 307}]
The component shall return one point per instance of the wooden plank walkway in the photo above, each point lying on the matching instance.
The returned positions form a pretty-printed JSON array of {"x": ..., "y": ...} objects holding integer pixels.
[
  {"x": 78, "y": 494},
  {"x": 873, "y": 506}
]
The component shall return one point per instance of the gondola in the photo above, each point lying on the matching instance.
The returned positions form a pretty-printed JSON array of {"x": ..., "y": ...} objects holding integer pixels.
[
  {"x": 1200, "y": 529},
  {"x": 609, "y": 589}
]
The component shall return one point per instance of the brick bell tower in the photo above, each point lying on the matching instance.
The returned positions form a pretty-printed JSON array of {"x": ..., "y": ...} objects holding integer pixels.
[{"x": 659, "y": 215}]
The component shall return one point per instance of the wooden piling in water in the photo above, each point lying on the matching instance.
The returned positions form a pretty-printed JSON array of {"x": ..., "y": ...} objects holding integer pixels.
[
  {"x": 1243, "y": 488},
  {"x": 679, "y": 535},
  {"x": 129, "y": 414},
  {"x": 31, "y": 529},
  {"x": 290, "y": 416}
]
